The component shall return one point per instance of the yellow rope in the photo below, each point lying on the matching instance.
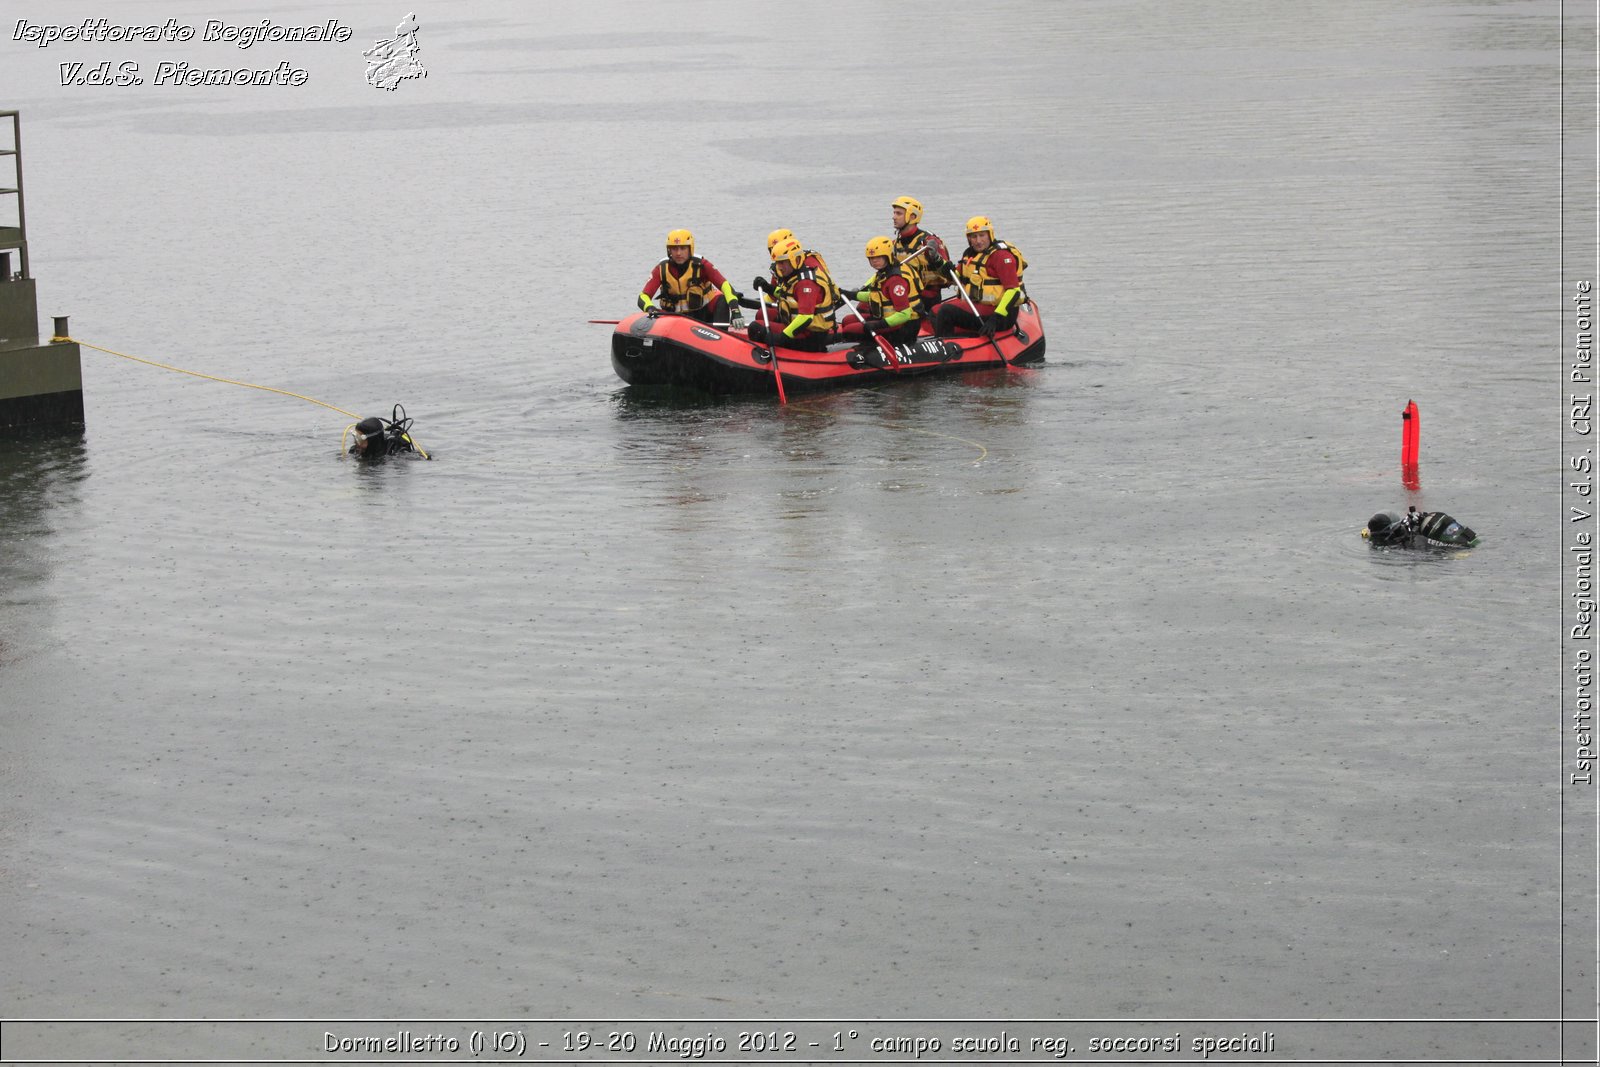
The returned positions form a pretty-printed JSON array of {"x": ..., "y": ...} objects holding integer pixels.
[
  {"x": 983, "y": 453},
  {"x": 214, "y": 378},
  {"x": 412, "y": 442}
]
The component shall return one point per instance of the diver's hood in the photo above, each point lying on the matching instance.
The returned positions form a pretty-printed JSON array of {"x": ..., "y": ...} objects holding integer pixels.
[{"x": 1386, "y": 528}]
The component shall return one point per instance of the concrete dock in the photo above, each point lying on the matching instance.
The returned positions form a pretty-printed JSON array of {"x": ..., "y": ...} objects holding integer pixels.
[{"x": 41, "y": 380}]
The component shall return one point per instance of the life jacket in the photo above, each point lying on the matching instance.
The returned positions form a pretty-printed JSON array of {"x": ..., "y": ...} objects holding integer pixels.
[
  {"x": 881, "y": 305},
  {"x": 788, "y": 307},
  {"x": 983, "y": 287},
  {"x": 685, "y": 292},
  {"x": 924, "y": 276}
]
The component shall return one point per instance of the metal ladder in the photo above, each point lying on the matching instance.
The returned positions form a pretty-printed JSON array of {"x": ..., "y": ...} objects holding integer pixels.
[{"x": 13, "y": 237}]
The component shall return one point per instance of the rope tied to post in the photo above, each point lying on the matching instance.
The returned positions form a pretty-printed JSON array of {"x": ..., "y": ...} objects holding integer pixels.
[
  {"x": 209, "y": 377},
  {"x": 401, "y": 434}
]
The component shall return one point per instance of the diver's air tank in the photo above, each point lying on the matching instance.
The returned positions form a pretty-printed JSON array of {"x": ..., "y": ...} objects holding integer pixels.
[{"x": 1437, "y": 526}]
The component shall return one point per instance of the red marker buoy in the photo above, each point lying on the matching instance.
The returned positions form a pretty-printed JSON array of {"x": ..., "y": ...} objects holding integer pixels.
[
  {"x": 1410, "y": 433},
  {"x": 1410, "y": 445}
]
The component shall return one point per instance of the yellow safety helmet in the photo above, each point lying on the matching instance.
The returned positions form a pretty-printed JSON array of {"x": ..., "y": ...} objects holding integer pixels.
[
  {"x": 911, "y": 207},
  {"x": 777, "y": 235},
  {"x": 980, "y": 224},
  {"x": 788, "y": 249},
  {"x": 680, "y": 238},
  {"x": 880, "y": 246}
]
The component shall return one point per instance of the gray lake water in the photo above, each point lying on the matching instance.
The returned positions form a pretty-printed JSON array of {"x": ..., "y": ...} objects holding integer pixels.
[{"x": 1048, "y": 694}]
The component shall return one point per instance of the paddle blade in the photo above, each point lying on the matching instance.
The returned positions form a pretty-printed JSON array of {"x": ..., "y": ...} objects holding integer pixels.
[
  {"x": 777, "y": 376},
  {"x": 889, "y": 358}
]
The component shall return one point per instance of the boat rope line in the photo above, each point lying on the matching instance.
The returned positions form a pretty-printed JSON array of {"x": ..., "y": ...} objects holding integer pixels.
[
  {"x": 983, "y": 453},
  {"x": 214, "y": 378}
]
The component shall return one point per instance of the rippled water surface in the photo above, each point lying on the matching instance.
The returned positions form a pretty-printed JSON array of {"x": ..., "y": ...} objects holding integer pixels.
[{"x": 1068, "y": 692}]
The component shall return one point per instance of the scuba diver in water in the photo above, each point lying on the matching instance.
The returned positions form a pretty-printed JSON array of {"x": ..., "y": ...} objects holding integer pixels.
[
  {"x": 1418, "y": 530},
  {"x": 374, "y": 438}
]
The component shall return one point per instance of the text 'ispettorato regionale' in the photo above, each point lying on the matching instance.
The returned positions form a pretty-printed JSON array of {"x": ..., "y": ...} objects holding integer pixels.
[
  {"x": 104, "y": 31},
  {"x": 239, "y": 35}
]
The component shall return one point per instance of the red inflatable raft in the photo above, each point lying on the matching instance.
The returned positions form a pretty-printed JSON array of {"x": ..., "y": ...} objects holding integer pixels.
[{"x": 677, "y": 350}]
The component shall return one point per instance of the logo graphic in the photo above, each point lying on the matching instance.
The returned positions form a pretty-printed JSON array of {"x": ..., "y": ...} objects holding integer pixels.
[
  {"x": 701, "y": 331},
  {"x": 391, "y": 62}
]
